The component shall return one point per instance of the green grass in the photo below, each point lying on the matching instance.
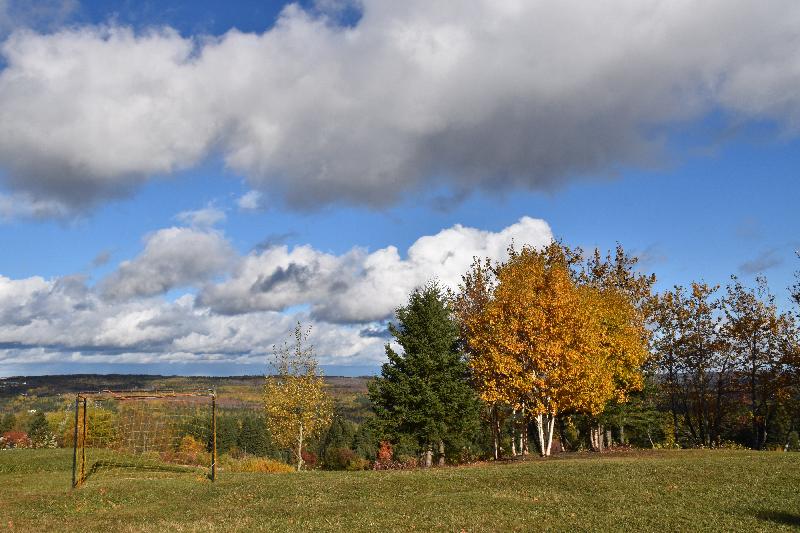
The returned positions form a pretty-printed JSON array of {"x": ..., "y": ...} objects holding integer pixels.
[{"x": 647, "y": 491}]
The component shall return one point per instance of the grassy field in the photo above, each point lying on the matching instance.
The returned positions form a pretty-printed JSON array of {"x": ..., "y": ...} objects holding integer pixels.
[{"x": 642, "y": 491}]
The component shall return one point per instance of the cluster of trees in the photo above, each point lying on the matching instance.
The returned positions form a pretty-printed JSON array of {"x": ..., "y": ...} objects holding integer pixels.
[
  {"x": 558, "y": 346},
  {"x": 724, "y": 357},
  {"x": 525, "y": 342},
  {"x": 30, "y": 429},
  {"x": 239, "y": 431}
]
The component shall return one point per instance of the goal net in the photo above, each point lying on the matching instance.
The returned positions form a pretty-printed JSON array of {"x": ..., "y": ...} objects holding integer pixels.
[{"x": 157, "y": 432}]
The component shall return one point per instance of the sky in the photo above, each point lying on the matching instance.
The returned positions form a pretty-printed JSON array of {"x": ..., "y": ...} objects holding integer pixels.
[{"x": 182, "y": 182}]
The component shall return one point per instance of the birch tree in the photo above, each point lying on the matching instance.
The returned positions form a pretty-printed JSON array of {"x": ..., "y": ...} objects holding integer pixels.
[
  {"x": 628, "y": 296},
  {"x": 297, "y": 405},
  {"x": 547, "y": 344}
]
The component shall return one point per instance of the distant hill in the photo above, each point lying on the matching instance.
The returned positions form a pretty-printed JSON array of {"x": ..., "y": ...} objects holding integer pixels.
[{"x": 233, "y": 392}]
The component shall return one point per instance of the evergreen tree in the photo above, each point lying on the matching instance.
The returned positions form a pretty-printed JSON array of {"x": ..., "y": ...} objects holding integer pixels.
[
  {"x": 336, "y": 449},
  {"x": 227, "y": 433},
  {"x": 339, "y": 435},
  {"x": 7, "y": 422},
  {"x": 423, "y": 392},
  {"x": 253, "y": 437},
  {"x": 366, "y": 441},
  {"x": 38, "y": 430}
]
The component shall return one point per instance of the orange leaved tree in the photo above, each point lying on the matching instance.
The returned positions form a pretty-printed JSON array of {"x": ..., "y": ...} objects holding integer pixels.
[{"x": 545, "y": 343}]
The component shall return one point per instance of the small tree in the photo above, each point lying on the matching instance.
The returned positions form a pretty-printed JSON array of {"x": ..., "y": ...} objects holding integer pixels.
[
  {"x": 7, "y": 423},
  {"x": 253, "y": 438},
  {"x": 227, "y": 433},
  {"x": 39, "y": 430},
  {"x": 754, "y": 329},
  {"x": 296, "y": 403},
  {"x": 337, "y": 441}
]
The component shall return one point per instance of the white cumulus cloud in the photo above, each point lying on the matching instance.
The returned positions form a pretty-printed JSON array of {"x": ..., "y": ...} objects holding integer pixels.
[
  {"x": 202, "y": 218},
  {"x": 127, "y": 318},
  {"x": 359, "y": 286}
]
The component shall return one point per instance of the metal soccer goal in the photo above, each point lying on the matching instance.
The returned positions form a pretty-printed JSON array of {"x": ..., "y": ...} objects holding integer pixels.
[{"x": 158, "y": 432}]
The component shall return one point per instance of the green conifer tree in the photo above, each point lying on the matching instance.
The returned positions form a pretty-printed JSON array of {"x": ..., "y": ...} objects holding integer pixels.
[
  {"x": 423, "y": 391},
  {"x": 7, "y": 422},
  {"x": 253, "y": 437},
  {"x": 338, "y": 442},
  {"x": 38, "y": 430}
]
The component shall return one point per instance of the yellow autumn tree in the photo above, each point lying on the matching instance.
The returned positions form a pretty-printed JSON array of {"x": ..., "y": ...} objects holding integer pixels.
[
  {"x": 546, "y": 344},
  {"x": 628, "y": 304},
  {"x": 297, "y": 405}
]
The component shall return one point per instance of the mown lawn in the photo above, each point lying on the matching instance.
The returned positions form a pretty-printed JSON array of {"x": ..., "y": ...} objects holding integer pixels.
[{"x": 644, "y": 491}]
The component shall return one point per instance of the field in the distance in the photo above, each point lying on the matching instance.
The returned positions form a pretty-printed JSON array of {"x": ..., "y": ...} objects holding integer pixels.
[{"x": 641, "y": 491}]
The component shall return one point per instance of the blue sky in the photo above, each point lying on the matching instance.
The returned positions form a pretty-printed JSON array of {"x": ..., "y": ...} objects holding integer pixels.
[{"x": 698, "y": 178}]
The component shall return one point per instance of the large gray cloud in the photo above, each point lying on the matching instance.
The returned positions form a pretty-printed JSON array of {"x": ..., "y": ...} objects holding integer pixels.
[
  {"x": 172, "y": 257},
  {"x": 473, "y": 94}
]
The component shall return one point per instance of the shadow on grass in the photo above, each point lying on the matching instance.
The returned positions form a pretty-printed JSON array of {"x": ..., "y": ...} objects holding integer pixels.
[
  {"x": 99, "y": 466},
  {"x": 780, "y": 517}
]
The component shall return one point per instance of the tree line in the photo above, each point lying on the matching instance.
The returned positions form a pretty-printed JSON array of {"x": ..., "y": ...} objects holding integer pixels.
[
  {"x": 549, "y": 350},
  {"x": 557, "y": 349}
]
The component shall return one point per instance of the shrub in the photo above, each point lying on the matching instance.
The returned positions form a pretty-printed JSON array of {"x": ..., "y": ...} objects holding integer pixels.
[
  {"x": 406, "y": 462},
  {"x": 358, "y": 463},
  {"x": 339, "y": 458},
  {"x": 309, "y": 459},
  {"x": 7, "y": 423},
  {"x": 255, "y": 465},
  {"x": 15, "y": 439},
  {"x": 402, "y": 462},
  {"x": 190, "y": 452},
  {"x": 385, "y": 453}
]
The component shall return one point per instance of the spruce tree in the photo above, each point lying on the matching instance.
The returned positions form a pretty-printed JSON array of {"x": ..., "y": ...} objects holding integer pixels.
[
  {"x": 38, "y": 430},
  {"x": 339, "y": 435},
  {"x": 253, "y": 438},
  {"x": 7, "y": 423},
  {"x": 423, "y": 391}
]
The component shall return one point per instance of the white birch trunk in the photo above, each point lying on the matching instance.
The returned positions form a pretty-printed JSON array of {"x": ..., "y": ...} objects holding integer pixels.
[
  {"x": 593, "y": 438},
  {"x": 514, "y": 433},
  {"x": 496, "y": 432},
  {"x": 300, "y": 449},
  {"x": 550, "y": 426},
  {"x": 540, "y": 430},
  {"x": 596, "y": 437}
]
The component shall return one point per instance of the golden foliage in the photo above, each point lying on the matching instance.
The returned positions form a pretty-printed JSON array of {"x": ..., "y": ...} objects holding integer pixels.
[
  {"x": 296, "y": 402},
  {"x": 540, "y": 338},
  {"x": 260, "y": 465}
]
